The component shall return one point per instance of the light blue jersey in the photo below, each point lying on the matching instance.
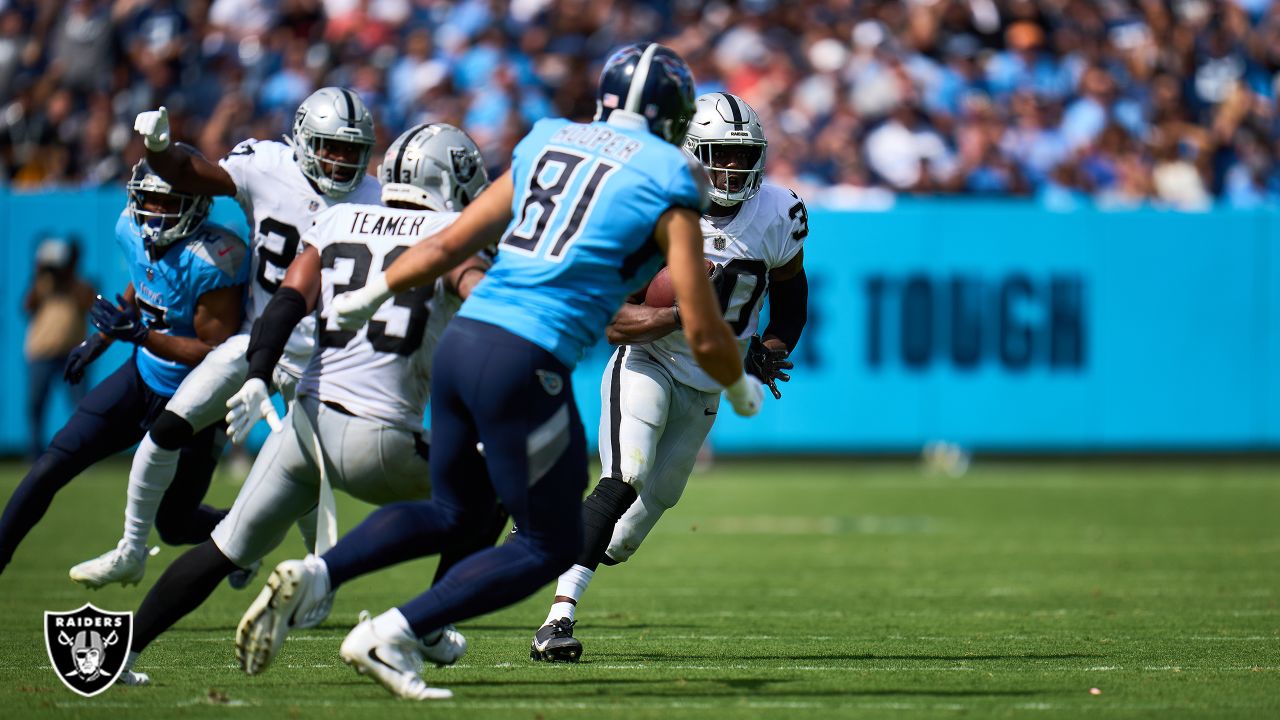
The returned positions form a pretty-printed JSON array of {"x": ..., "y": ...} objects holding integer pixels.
[
  {"x": 587, "y": 196},
  {"x": 168, "y": 289}
]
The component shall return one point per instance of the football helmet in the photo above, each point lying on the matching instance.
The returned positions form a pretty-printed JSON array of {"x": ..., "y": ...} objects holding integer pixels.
[
  {"x": 647, "y": 82},
  {"x": 433, "y": 165},
  {"x": 332, "y": 117},
  {"x": 727, "y": 137},
  {"x": 162, "y": 214}
]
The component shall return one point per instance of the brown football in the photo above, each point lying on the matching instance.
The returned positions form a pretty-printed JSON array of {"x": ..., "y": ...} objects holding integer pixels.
[{"x": 660, "y": 293}]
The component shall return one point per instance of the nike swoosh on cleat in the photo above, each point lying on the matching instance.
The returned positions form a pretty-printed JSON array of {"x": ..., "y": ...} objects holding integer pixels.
[{"x": 373, "y": 655}]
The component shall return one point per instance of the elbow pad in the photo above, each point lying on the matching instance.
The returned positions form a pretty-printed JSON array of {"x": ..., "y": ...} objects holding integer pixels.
[{"x": 271, "y": 332}]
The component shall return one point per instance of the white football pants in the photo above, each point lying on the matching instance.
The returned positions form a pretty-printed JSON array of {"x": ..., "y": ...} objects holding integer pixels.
[{"x": 651, "y": 428}]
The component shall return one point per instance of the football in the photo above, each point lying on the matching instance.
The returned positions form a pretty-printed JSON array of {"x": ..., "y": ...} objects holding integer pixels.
[{"x": 660, "y": 293}]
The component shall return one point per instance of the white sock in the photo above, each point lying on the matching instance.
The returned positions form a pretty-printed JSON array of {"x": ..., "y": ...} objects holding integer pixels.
[
  {"x": 391, "y": 625},
  {"x": 151, "y": 474},
  {"x": 130, "y": 660},
  {"x": 572, "y": 583}
]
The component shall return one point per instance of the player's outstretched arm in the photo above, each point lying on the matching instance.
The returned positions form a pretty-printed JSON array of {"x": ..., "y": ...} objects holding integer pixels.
[
  {"x": 217, "y": 318},
  {"x": 637, "y": 323},
  {"x": 180, "y": 165},
  {"x": 710, "y": 338},
  {"x": 462, "y": 280},
  {"x": 480, "y": 224}
]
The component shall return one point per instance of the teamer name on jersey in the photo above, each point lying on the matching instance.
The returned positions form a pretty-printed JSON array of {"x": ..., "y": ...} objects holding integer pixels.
[{"x": 367, "y": 223}]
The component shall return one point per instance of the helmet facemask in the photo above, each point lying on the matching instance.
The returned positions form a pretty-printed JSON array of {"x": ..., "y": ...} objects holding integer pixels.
[
  {"x": 735, "y": 169},
  {"x": 163, "y": 215}
]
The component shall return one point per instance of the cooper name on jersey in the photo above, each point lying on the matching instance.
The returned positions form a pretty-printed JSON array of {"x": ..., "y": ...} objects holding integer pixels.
[
  {"x": 601, "y": 139},
  {"x": 366, "y": 223}
]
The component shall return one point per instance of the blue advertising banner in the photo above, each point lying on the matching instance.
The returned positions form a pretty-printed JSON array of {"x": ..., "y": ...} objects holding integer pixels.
[{"x": 992, "y": 325}]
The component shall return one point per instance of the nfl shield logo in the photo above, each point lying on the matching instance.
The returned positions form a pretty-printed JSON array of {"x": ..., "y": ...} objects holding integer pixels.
[
  {"x": 551, "y": 382},
  {"x": 719, "y": 242},
  {"x": 314, "y": 205},
  {"x": 88, "y": 646}
]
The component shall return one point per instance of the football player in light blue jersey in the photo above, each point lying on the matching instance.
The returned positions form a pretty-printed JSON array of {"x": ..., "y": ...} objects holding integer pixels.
[
  {"x": 187, "y": 280},
  {"x": 584, "y": 217}
]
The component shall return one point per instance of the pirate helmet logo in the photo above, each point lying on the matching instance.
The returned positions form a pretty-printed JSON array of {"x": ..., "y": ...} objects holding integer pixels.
[
  {"x": 88, "y": 647},
  {"x": 464, "y": 164}
]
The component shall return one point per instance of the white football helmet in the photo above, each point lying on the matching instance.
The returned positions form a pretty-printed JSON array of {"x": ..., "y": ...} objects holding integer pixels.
[
  {"x": 433, "y": 165},
  {"x": 726, "y": 136},
  {"x": 333, "y": 115},
  {"x": 163, "y": 222}
]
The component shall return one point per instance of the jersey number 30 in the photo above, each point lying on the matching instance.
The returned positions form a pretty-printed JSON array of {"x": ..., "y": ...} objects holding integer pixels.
[{"x": 383, "y": 336}]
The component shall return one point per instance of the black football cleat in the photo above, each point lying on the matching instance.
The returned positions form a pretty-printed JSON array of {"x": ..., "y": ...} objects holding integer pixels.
[{"x": 554, "y": 642}]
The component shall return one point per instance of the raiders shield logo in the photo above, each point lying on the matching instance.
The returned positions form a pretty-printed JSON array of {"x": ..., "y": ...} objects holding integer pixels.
[
  {"x": 464, "y": 164},
  {"x": 88, "y": 646},
  {"x": 551, "y": 382}
]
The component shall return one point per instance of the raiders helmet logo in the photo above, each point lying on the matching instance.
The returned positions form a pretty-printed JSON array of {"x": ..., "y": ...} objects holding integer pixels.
[
  {"x": 464, "y": 164},
  {"x": 551, "y": 382},
  {"x": 88, "y": 647}
]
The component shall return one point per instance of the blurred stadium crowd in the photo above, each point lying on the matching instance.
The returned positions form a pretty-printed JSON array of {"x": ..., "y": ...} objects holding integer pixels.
[{"x": 1115, "y": 102}]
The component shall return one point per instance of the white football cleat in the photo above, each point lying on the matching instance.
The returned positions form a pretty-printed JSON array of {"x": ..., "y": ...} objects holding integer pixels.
[
  {"x": 395, "y": 663},
  {"x": 136, "y": 679},
  {"x": 296, "y": 592},
  {"x": 122, "y": 565},
  {"x": 445, "y": 649}
]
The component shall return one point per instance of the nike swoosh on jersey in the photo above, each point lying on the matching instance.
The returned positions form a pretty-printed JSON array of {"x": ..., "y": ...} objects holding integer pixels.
[{"x": 708, "y": 412}]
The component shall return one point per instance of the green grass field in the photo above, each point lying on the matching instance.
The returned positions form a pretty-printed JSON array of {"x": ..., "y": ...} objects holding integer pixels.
[{"x": 777, "y": 590}]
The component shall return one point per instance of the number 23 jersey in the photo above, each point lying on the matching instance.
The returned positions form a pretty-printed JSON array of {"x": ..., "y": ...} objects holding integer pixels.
[
  {"x": 280, "y": 204},
  {"x": 382, "y": 371},
  {"x": 767, "y": 233}
]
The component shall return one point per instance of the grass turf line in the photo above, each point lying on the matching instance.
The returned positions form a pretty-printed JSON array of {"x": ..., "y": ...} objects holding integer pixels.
[{"x": 775, "y": 590}]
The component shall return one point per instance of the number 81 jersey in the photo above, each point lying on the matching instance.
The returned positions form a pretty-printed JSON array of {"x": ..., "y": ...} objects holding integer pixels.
[
  {"x": 382, "y": 371},
  {"x": 280, "y": 204},
  {"x": 767, "y": 233}
]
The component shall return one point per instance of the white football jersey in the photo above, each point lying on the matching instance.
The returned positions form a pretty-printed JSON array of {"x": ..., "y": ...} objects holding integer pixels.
[
  {"x": 766, "y": 234},
  {"x": 280, "y": 204},
  {"x": 382, "y": 371}
]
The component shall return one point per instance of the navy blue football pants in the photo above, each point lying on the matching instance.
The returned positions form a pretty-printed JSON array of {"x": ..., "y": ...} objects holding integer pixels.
[
  {"x": 115, "y": 415},
  {"x": 491, "y": 387}
]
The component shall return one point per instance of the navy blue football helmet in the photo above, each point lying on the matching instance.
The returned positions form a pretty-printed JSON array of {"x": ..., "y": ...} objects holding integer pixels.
[{"x": 652, "y": 83}]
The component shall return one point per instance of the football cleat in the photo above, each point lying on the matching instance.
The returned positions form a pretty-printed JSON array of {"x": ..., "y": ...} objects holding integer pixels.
[
  {"x": 446, "y": 648},
  {"x": 240, "y": 578},
  {"x": 136, "y": 679},
  {"x": 395, "y": 663},
  {"x": 120, "y": 565},
  {"x": 296, "y": 592},
  {"x": 554, "y": 642}
]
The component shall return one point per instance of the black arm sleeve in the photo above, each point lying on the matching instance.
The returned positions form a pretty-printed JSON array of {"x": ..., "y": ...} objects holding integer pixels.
[
  {"x": 788, "y": 309},
  {"x": 271, "y": 332}
]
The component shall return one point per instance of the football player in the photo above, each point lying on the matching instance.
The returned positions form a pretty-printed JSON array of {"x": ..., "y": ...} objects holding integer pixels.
[
  {"x": 657, "y": 405},
  {"x": 361, "y": 399},
  {"x": 187, "y": 278},
  {"x": 584, "y": 216},
  {"x": 282, "y": 187}
]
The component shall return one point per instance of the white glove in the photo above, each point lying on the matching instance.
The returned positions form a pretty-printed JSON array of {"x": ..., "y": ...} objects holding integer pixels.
[
  {"x": 247, "y": 407},
  {"x": 351, "y": 310},
  {"x": 153, "y": 126},
  {"x": 745, "y": 395}
]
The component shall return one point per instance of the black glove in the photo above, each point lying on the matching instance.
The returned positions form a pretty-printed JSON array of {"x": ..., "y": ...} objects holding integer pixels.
[
  {"x": 81, "y": 356},
  {"x": 767, "y": 365},
  {"x": 121, "y": 322}
]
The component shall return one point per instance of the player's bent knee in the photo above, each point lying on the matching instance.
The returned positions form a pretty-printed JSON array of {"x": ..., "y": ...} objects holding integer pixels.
[
  {"x": 177, "y": 531},
  {"x": 171, "y": 432}
]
